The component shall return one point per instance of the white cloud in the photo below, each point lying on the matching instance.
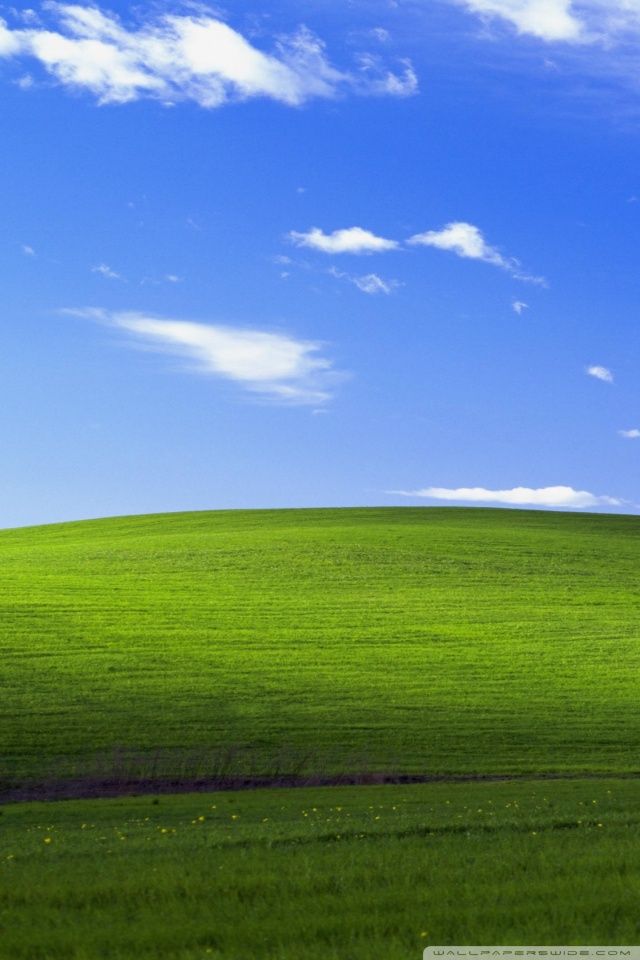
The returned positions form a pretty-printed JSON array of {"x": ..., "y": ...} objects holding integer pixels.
[
  {"x": 372, "y": 283},
  {"x": 272, "y": 364},
  {"x": 105, "y": 271},
  {"x": 600, "y": 373},
  {"x": 559, "y": 496},
  {"x": 155, "y": 281},
  {"x": 349, "y": 240},
  {"x": 369, "y": 283},
  {"x": 28, "y": 250},
  {"x": 189, "y": 57},
  {"x": 519, "y": 306},
  {"x": 552, "y": 20},
  {"x": 386, "y": 82},
  {"x": 603, "y": 23},
  {"x": 463, "y": 239},
  {"x": 10, "y": 44},
  {"x": 594, "y": 44},
  {"x": 467, "y": 240},
  {"x": 633, "y": 434},
  {"x": 28, "y": 15}
]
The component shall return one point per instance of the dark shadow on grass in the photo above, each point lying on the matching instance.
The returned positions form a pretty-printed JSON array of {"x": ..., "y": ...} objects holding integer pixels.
[{"x": 93, "y": 788}]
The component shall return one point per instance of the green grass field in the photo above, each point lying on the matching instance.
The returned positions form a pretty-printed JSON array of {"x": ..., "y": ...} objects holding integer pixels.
[
  {"x": 353, "y": 873},
  {"x": 412, "y": 640},
  {"x": 315, "y": 643}
]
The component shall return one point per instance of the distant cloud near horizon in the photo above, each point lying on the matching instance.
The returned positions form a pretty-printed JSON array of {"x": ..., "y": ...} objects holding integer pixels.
[
  {"x": 348, "y": 240},
  {"x": 600, "y": 373},
  {"x": 275, "y": 365},
  {"x": 189, "y": 57},
  {"x": 559, "y": 496}
]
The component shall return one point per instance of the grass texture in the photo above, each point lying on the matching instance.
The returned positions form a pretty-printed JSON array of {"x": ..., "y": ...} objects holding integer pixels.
[
  {"x": 349, "y": 873},
  {"x": 314, "y": 641}
]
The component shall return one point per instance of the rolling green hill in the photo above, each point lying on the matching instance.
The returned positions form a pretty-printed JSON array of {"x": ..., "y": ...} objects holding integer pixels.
[
  {"x": 310, "y": 643},
  {"x": 319, "y": 641}
]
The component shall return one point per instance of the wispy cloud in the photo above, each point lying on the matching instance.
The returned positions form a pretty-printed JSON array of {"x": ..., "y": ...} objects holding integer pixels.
[
  {"x": 381, "y": 34},
  {"x": 26, "y": 82},
  {"x": 463, "y": 239},
  {"x": 600, "y": 373},
  {"x": 348, "y": 240},
  {"x": 559, "y": 496},
  {"x": 156, "y": 281},
  {"x": 467, "y": 241},
  {"x": 552, "y": 20},
  {"x": 193, "y": 57},
  {"x": 592, "y": 22},
  {"x": 633, "y": 434},
  {"x": 27, "y": 250},
  {"x": 593, "y": 44},
  {"x": 274, "y": 365},
  {"x": 386, "y": 82},
  {"x": 519, "y": 306},
  {"x": 106, "y": 271},
  {"x": 369, "y": 283}
]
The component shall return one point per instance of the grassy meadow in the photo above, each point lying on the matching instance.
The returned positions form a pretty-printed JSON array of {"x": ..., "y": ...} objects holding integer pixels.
[
  {"x": 319, "y": 641},
  {"x": 308, "y": 644},
  {"x": 346, "y": 873}
]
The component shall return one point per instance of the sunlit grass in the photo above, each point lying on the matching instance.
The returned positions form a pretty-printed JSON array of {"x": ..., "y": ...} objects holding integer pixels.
[
  {"x": 267, "y": 642},
  {"x": 313, "y": 643}
]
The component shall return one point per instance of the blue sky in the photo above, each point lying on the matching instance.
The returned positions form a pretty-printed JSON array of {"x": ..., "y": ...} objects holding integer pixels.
[{"x": 319, "y": 254}]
